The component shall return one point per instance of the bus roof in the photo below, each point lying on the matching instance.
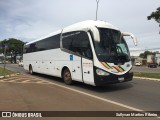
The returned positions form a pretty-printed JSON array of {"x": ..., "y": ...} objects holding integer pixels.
[
  {"x": 89, "y": 24},
  {"x": 80, "y": 26}
]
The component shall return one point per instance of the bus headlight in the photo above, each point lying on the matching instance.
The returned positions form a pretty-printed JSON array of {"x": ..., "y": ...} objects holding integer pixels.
[{"x": 101, "y": 72}]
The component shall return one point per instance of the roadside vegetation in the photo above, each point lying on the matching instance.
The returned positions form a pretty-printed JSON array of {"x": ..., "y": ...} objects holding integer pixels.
[
  {"x": 11, "y": 48},
  {"x": 147, "y": 75},
  {"x": 5, "y": 72}
]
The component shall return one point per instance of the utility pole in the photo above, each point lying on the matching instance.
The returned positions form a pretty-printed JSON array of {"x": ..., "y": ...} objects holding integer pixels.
[
  {"x": 21, "y": 58},
  {"x": 159, "y": 26},
  {"x": 97, "y": 8},
  {"x": 5, "y": 47}
]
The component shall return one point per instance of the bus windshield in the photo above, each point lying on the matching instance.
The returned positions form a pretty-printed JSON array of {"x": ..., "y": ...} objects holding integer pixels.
[{"x": 112, "y": 47}]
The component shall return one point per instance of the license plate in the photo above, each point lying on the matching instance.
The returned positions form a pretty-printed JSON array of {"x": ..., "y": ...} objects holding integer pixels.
[{"x": 121, "y": 79}]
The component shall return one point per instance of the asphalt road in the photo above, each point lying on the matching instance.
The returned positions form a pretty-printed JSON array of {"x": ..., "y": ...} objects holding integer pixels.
[{"x": 140, "y": 94}]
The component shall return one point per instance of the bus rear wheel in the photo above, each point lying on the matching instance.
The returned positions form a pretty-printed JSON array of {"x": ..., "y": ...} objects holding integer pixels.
[
  {"x": 30, "y": 70},
  {"x": 67, "y": 77}
]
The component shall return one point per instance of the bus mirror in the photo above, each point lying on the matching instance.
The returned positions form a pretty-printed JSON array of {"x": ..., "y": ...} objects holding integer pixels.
[{"x": 132, "y": 36}]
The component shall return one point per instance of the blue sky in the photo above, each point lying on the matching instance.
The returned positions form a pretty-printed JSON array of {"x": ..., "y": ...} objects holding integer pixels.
[{"x": 31, "y": 19}]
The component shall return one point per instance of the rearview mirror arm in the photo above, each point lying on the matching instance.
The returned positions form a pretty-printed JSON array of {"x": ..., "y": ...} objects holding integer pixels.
[{"x": 132, "y": 36}]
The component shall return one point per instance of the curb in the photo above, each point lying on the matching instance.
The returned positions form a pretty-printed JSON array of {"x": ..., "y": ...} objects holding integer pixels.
[
  {"x": 144, "y": 78},
  {"x": 7, "y": 76}
]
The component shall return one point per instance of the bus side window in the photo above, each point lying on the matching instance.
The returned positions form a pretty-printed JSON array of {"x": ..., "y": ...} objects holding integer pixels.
[
  {"x": 83, "y": 44},
  {"x": 67, "y": 41},
  {"x": 78, "y": 42},
  {"x": 76, "y": 45},
  {"x": 87, "y": 52},
  {"x": 33, "y": 47},
  {"x": 26, "y": 49}
]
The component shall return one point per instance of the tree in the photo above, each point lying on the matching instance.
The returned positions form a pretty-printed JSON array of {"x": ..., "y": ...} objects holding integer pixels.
[
  {"x": 2, "y": 45},
  {"x": 14, "y": 47},
  {"x": 144, "y": 55},
  {"x": 141, "y": 55},
  {"x": 155, "y": 15}
]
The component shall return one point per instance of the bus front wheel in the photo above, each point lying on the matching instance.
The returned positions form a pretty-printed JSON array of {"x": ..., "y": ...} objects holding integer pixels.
[{"x": 67, "y": 77}]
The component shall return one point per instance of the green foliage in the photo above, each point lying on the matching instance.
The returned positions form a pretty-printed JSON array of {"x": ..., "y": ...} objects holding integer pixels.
[
  {"x": 144, "y": 55},
  {"x": 141, "y": 55},
  {"x": 155, "y": 15},
  {"x": 13, "y": 45}
]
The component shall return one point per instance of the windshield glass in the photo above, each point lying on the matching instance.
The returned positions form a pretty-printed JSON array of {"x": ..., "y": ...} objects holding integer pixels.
[{"x": 112, "y": 47}]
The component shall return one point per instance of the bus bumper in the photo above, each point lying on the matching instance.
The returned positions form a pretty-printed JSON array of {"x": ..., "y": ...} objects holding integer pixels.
[{"x": 112, "y": 78}]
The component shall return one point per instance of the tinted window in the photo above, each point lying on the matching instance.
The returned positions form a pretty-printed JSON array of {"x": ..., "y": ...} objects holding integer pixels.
[
  {"x": 33, "y": 47},
  {"x": 67, "y": 40},
  {"x": 48, "y": 43},
  {"x": 77, "y": 42},
  {"x": 45, "y": 44},
  {"x": 26, "y": 49}
]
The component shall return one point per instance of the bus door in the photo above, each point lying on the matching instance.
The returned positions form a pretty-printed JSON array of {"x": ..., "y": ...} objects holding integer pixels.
[
  {"x": 87, "y": 66},
  {"x": 87, "y": 60},
  {"x": 82, "y": 66}
]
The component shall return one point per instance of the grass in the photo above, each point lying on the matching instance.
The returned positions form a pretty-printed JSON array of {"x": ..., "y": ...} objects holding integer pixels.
[
  {"x": 6, "y": 72},
  {"x": 148, "y": 75}
]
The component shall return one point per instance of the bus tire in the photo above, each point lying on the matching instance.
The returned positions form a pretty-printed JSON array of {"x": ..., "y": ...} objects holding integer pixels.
[
  {"x": 31, "y": 70},
  {"x": 67, "y": 76}
]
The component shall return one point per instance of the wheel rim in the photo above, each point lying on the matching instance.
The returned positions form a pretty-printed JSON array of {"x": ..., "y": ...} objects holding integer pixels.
[{"x": 67, "y": 76}]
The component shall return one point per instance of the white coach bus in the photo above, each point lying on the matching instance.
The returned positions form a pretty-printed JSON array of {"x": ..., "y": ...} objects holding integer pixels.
[{"x": 92, "y": 52}]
